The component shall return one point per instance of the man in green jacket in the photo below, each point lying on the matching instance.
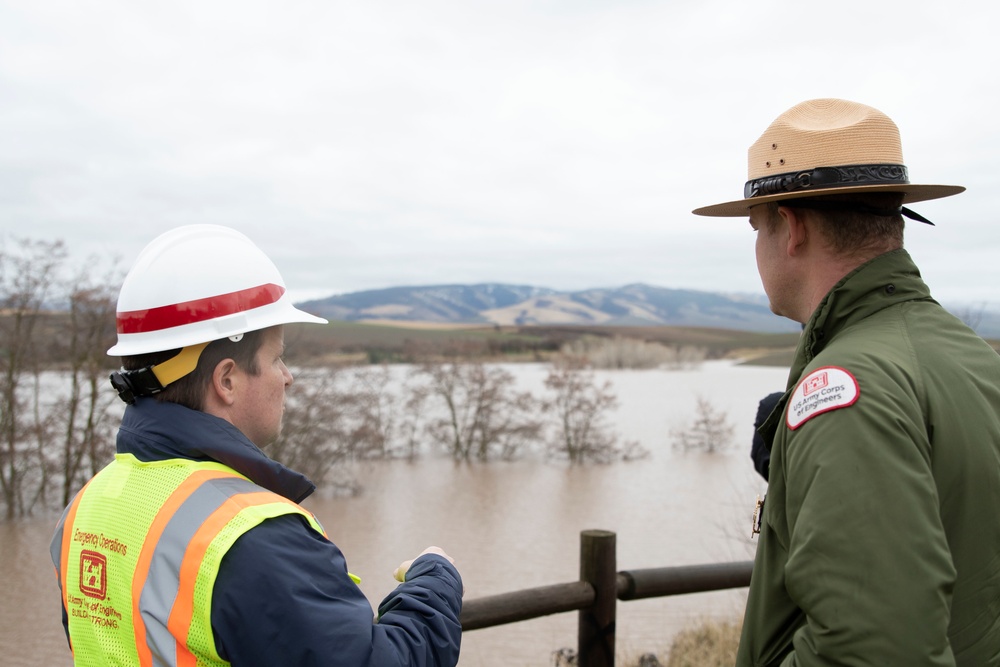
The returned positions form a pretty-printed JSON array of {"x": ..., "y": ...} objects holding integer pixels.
[{"x": 880, "y": 534}]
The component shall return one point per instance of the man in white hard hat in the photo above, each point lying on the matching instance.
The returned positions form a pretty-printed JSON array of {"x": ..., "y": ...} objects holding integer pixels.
[
  {"x": 879, "y": 538},
  {"x": 191, "y": 548}
]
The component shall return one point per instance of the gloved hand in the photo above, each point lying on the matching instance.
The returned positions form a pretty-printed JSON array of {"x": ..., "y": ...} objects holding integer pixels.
[
  {"x": 759, "y": 451},
  {"x": 400, "y": 573}
]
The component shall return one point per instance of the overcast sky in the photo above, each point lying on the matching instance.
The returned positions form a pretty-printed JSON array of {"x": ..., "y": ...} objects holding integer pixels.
[{"x": 557, "y": 143}]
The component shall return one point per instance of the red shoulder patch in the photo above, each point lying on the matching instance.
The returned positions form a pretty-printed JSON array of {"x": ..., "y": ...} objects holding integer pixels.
[{"x": 824, "y": 389}]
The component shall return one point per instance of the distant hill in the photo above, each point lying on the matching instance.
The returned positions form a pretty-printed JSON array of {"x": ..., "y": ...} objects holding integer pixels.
[{"x": 631, "y": 305}]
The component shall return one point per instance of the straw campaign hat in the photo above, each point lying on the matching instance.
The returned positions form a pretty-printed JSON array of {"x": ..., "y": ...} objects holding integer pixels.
[{"x": 827, "y": 147}]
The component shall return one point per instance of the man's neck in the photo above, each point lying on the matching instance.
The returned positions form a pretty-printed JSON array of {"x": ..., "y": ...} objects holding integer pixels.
[{"x": 825, "y": 276}]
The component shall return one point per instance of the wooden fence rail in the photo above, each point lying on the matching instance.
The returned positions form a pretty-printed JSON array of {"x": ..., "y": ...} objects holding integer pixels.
[{"x": 596, "y": 594}]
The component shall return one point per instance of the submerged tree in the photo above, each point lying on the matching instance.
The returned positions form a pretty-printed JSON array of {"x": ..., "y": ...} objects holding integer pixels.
[
  {"x": 709, "y": 431},
  {"x": 374, "y": 413},
  {"x": 580, "y": 408},
  {"x": 485, "y": 416},
  {"x": 54, "y": 327},
  {"x": 336, "y": 416},
  {"x": 316, "y": 433},
  {"x": 86, "y": 422},
  {"x": 28, "y": 274}
]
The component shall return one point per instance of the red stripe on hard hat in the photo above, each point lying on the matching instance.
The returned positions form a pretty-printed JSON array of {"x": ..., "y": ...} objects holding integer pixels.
[{"x": 198, "y": 310}]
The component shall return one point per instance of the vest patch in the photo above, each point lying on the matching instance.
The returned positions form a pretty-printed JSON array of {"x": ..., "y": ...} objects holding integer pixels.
[
  {"x": 93, "y": 574},
  {"x": 822, "y": 390}
]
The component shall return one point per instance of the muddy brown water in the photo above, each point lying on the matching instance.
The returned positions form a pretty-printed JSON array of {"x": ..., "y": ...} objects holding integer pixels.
[{"x": 509, "y": 525}]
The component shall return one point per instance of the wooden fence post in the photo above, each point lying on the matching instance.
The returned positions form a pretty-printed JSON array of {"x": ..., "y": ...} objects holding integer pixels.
[{"x": 596, "y": 633}]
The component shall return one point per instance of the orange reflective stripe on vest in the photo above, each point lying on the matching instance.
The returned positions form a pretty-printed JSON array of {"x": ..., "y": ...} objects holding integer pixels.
[
  {"x": 177, "y": 498},
  {"x": 179, "y": 621},
  {"x": 66, "y": 537}
]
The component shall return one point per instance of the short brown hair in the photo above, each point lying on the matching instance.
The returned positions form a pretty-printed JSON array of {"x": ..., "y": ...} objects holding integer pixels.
[
  {"x": 865, "y": 223},
  {"x": 189, "y": 390}
]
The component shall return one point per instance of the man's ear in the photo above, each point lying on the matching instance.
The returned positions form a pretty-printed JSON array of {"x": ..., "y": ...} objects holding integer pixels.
[
  {"x": 224, "y": 381},
  {"x": 798, "y": 232}
]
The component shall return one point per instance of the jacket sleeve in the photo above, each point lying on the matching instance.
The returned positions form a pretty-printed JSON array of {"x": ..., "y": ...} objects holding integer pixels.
[
  {"x": 868, "y": 559},
  {"x": 283, "y": 597}
]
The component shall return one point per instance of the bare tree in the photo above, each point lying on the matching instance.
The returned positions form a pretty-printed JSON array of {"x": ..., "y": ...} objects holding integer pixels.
[
  {"x": 580, "y": 409},
  {"x": 36, "y": 446},
  {"x": 27, "y": 275},
  {"x": 709, "y": 431},
  {"x": 413, "y": 422},
  {"x": 485, "y": 417},
  {"x": 317, "y": 433},
  {"x": 87, "y": 428},
  {"x": 374, "y": 413}
]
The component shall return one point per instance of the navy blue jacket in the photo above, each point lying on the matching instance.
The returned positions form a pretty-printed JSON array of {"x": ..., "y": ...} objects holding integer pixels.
[{"x": 283, "y": 595}]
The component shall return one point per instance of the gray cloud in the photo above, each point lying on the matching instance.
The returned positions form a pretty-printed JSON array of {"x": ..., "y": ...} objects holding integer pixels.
[{"x": 561, "y": 144}]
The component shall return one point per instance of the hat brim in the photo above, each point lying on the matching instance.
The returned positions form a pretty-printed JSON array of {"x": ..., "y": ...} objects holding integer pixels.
[{"x": 911, "y": 194}]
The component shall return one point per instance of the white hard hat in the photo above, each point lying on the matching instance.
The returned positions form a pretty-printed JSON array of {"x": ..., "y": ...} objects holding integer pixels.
[{"x": 196, "y": 284}]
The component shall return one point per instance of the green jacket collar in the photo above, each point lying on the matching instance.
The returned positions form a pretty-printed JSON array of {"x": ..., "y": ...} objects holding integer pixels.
[{"x": 884, "y": 281}]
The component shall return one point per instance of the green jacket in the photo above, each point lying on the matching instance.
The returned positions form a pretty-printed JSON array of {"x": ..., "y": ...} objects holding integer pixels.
[{"x": 880, "y": 538}]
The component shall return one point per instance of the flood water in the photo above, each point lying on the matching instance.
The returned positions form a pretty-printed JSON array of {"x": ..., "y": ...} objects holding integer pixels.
[{"x": 511, "y": 525}]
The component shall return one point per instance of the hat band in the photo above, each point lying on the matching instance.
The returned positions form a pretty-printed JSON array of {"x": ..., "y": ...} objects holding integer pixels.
[
  {"x": 198, "y": 310},
  {"x": 822, "y": 178}
]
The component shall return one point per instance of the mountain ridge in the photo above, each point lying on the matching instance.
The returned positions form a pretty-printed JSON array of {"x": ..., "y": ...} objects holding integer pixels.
[{"x": 635, "y": 304}]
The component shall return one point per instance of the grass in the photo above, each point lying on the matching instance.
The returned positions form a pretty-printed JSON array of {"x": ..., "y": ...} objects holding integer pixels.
[
  {"x": 375, "y": 343},
  {"x": 708, "y": 643}
]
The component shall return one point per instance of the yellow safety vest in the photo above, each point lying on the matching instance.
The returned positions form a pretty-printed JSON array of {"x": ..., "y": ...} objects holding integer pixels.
[{"x": 139, "y": 549}]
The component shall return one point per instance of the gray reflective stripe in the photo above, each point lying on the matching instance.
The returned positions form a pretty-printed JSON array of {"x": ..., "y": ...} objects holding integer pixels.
[
  {"x": 160, "y": 588},
  {"x": 55, "y": 547}
]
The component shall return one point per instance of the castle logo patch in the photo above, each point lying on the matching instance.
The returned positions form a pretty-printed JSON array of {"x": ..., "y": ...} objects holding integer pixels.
[
  {"x": 93, "y": 574},
  {"x": 822, "y": 390}
]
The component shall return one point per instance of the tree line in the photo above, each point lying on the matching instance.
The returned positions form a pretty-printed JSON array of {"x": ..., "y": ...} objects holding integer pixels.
[
  {"x": 54, "y": 434},
  {"x": 468, "y": 410},
  {"x": 58, "y": 414}
]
